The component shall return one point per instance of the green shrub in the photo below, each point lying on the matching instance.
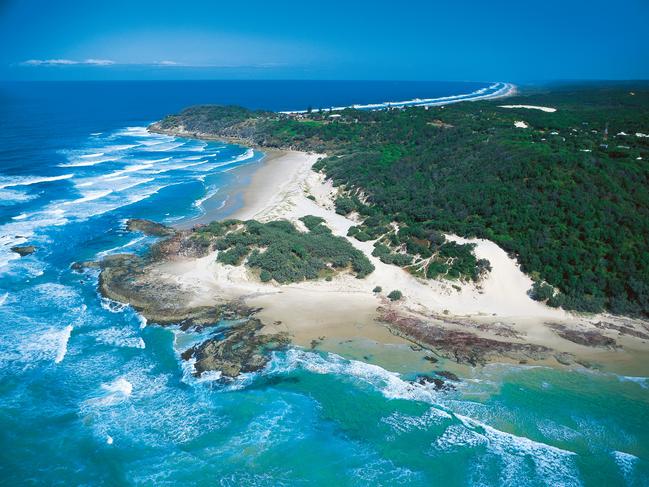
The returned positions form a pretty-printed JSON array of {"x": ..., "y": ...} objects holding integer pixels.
[
  {"x": 344, "y": 205},
  {"x": 395, "y": 295},
  {"x": 541, "y": 291}
]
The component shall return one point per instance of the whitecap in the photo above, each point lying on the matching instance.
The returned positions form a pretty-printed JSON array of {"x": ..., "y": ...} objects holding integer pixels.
[
  {"x": 554, "y": 465},
  {"x": 130, "y": 243},
  {"x": 13, "y": 181},
  {"x": 63, "y": 344},
  {"x": 3, "y": 298},
  {"x": 97, "y": 154},
  {"x": 50, "y": 344},
  {"x": 91, "y": 196},
  {"x": 112, "y": 306},
  {"x": 209, "y": 194},
  {"x": 166, "y": 147},
  {"x": 142, "y": 320},
  {"x": 118, "y": 337},
  {"x": 119, "y": 147},
  {"x": 625, "y": 462},
  {"x": 88, "y": 163},
  {"x": 388, "y": 383},
  {"x": 10, "y": 197},
  {"x": 641, "y": 381},
  {"x": 115, "y": 393}
]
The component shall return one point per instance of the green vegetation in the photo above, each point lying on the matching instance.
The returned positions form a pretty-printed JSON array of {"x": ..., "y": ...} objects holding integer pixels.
[
  {"x": 377, "y": 289},
  {"x": 569, "y": 201},
  {"x": 281, "y": 252},
  {"x": 395, "y": 295}
]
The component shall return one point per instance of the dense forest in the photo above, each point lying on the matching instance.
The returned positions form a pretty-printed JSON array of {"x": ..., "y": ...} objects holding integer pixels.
[{"x": 566, "y": 192}]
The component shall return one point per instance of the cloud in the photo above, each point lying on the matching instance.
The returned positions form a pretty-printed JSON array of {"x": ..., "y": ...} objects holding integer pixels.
[
  {"x": 154, "y": 64},
  {"x": 67, "y": 62}
]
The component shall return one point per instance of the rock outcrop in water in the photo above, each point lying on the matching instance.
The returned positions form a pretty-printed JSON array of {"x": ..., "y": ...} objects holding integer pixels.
[
  {"x": 240, "y": 349},
  {"x": 24, "y": 250},
  {"x": 149, "y": 227}
]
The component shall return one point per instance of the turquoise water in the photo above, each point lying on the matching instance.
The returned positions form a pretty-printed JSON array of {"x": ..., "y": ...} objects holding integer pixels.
[{"x": 92, "y": 395}]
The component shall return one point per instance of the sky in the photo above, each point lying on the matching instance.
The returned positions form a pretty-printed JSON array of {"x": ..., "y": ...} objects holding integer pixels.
[{"x": 469, "y": 40}]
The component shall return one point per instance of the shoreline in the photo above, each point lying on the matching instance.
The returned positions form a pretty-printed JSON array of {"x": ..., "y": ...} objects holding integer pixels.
[
  {"x": 497, "y": 318},
  {"x": 508, "y": 89}
]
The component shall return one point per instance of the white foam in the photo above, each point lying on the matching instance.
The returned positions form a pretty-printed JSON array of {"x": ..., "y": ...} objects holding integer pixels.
[
  {"x": 10, "y": 197},
  {"x": 109, "y": 439},
  {"x": 3, "y": 298},
  {"x": 641, "y": 381},
  {"x": 63, "y": 344},
  {"x": 47, "y": 345},
  {"x": 177, "y": 167},
  {"x": 132, "y": 242},
  {"x": 91, "y": 196},
  {"x": 116, "y": 392},
  {"x": 87, "y": 163},
  {"x": 134, "y": 132},
  {"x": 13, "y": 181},
  {"x": 154, "y": 161},
  {"x": 552, "y": 465},
  {"x": 97, "y": 154},
  {"x": 119, "y": 337},
  {"x": 625, "y": 462},
  {"x": 142, "y": 320},
  {"x": 164, "y": 147},
  {"x": 119, "y": 147},
  {"x": 388, "y": 383},
  {"x": 112, "y": 306},
  {"x": 209, "y": 194}
]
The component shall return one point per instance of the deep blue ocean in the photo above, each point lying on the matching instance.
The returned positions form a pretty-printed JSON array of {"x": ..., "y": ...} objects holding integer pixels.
[{"x": 92, "y": 395}]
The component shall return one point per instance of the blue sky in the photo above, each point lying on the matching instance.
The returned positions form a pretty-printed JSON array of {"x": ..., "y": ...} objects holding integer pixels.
[{"x": 408, "y": 40}]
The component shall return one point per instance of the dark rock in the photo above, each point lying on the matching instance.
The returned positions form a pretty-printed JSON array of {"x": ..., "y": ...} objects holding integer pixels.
[
  {"x": 447, "y": 375},
  {"x": 431, "y": 359},
  {"x": 24, "y": 250},
  {"x": 83, "y": 265},
  {"x": 589, "y": 338},
  {"x": 241, "y": 349},
  {"x": 149, "y": 227},
  {"x": 459, "y": 345},
  {"x": 437, "y": 383}
]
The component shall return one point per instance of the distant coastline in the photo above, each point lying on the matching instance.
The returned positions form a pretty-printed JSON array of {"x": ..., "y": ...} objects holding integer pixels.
[{"x": 496, "y": 90}]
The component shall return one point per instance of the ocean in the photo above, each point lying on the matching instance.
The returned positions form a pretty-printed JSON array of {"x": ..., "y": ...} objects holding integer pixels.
[{"x": 90, "y": 394}]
